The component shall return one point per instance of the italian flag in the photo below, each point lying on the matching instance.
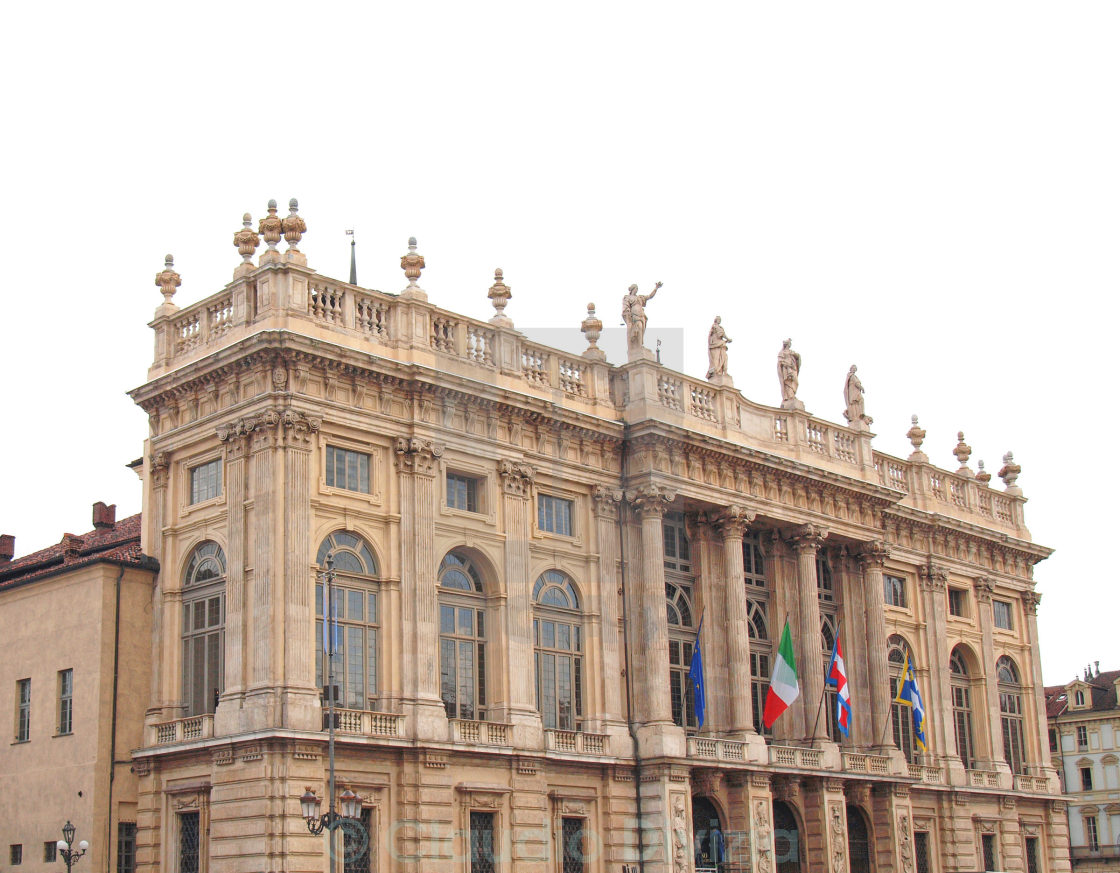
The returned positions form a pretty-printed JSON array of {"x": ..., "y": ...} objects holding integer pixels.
[{"x": 783, "y": 684}]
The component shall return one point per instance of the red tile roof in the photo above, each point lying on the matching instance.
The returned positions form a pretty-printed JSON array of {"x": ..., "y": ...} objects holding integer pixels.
[
  {"x": 1102, "y": 688},
  {"x": 118, "y": 543}
]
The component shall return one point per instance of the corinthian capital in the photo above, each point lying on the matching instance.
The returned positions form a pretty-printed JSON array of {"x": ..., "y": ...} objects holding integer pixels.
[
  {"x": 734, "y": 520},
  {"x": 417, "y": 456},
  {"x": 809, "y": 536},
  {"x": 934, "y": 578},
  {"x": 985, "y": 588},
  {"x": 650, "y": 500},
  {"x": 1031, "y": 600},
  {"x": 607, "y": 501},
  {"x": 874, "y": 553},
  {"x": 517, "y": 478}
]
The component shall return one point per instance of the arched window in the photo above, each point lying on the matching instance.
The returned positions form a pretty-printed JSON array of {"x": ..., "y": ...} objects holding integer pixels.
[
  {"x": 826, "y": 595},
  {"x": 902, "y": 721},
  {"x": 558, "y": 637},
  {"x": 825, "y": 591},
  {"x": 682, "y": 637},
  {"x": 757, "y": 586},
  {"x": 1011, "y": 714},
  {"x": 204, "y": 618},
  {"x": 358, "y": 613},
  {"x": 960, "y": 684},
  {"x": 462, "y": 637},
  {"x": 1079, "y": 698}
]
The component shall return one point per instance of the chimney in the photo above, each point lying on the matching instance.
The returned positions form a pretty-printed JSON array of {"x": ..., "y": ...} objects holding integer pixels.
[
  {"x": 71, "y": 547},
  {"x": 104, "y": 516},
  {"x": 7, "y": 548},
  {"x": 1097, "y": 666}
]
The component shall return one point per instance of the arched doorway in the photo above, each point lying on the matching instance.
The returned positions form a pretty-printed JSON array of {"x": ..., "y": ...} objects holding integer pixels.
[
  {"x": 787, "y": 839},
  {"x": 859, "y": 842},
  {"x": 707, "y": 835}
]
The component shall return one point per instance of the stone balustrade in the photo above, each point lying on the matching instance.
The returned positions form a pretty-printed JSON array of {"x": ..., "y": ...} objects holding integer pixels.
[
  {"x": 875, "y": 765},
  {"x": 983, "y": 779},
  {"x": 181, "y": 730},
  {"x": 717, "y": 750},
  {"x": 1035, "y": 784},
  {"x": 486, "y": 733},
  {"x": 928, "y": 774},
  {"x": 365, "y": 723},
  {"x": 796, "y": 756},
  {"x": 575, "y": 741}
]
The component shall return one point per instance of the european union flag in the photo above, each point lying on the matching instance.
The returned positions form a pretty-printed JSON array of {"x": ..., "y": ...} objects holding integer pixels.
[
  {"x": 696, "y": 676},
  {"x": 908, "y": 696}
]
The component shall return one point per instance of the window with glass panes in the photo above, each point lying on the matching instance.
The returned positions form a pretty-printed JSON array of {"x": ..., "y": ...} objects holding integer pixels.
[
  {"x": 203, "y": 630},
  {"x": 126, "y": 847},
  {"x": 50, "y": 851},
  {"x": 206, "y": 481},
  {"x": 825, "y": 591},
  {"x": 988, "y": 850},
  {"x": 188, "y": 843},
  {"x": 65, "y": 701},
  {"x": 960, "y": 686},
  {"x": 554, "y": 514},
  {"x": 958, "y": 602},
  {"x": 1092, "y": 833},
  {"x": 677, "y": 555},
  {"x": 828, "y": 640},
  {"x": 757, "y": 588},
  {"x": 462, "y": 638},
  {"x": 573, "y": 832},
  {"x": 482, "y": 842},
  {"x": 347, "y": 469},
  {"x": 682, "y": 637},
  {"x": 357, "y": 843},
  {"x": 1082, "y": 737},
  {"x": 23, "y": 710},
  {"x": 894, "y": 590},
  {"x": 1001, "y": 614},
  {"x": 558, "y": 658},
  {"x": 357, "y": 613},
  {"x": 902, "y": 721},
  {"x": 1011, "y": 714},
  {"x": 921, "y": 852},
  {"x": 462, "y": 492},
  {"x": 1032, "y": 854}
]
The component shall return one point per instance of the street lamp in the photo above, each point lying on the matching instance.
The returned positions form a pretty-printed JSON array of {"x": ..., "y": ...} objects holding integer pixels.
[
  {"x": 66, "y": 846},
  {"x": 349, "y": 802}
]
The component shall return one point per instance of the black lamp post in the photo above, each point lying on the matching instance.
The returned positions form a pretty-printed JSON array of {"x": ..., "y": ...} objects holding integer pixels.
[{"x": 66, "y": 846}]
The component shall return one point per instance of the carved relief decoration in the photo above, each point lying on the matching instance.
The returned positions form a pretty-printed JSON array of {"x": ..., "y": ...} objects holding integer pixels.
[
  {"x": 905, "y": 843},
  {"x": 681, "y": 842},
  {"x": 874, "y": 553},
  {"x": 809, "y": 536},
  {"x": 607, "y": 501},
  {"x": 933, "y": 577},
  {"x": 734, "y": 520},
  {"x": 418, "y": 456},
  {"x": 837, "y": 838},
  {"x": 517, "y": 478},
  {"x": 985, "y": 588},
  {"x": 763, "y": 835},
  {"x": 1031, "y": 599},
  {"x": 650, "y": 499}
]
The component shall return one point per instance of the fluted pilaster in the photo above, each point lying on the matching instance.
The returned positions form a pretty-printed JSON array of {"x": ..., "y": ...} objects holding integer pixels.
[
  {"x": 159, "y": 707},
  {"x": 732, "y": 524},
  {"x": 233, "y": 465},
  {"x": 807, "y": 541},
  {"x": 1031, "y": 599},
  {"x": 933, "y": 584},
  {"x": 984, "y": 589},
  {"x": 607, "y": 502},
  {"x": 872, "y": 557}
]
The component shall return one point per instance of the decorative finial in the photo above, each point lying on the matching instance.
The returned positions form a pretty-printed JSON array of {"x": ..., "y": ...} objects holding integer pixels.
[
  {"x": 962, "y": 451},
  {"x": 294, "y": 226},
  {"x": 916, "y": 435},
  {"x": 168, "y": 280},
  {"x": 246, "y": 239},
  {"x": 592, "y": 328},
  {"x": 412, "y": 264},
  {"x": 270, "y": 226},
  {"x": 353, "y": 257},
  {"x": 982, "y": 475},
  {"x": 1009, "y": 473},
  {"x": 499, "y": 295}
]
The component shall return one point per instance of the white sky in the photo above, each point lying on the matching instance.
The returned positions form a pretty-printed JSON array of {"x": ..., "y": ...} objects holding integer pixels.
[{"x": 928, "y": 191}]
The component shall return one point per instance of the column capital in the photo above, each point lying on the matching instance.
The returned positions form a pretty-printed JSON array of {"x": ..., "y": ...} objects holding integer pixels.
[
  {"x": 650, "y": 500},
  {"x": 933, "y": 577},
  {"x": 158, "y": 463},
  {"x": 417, "y": 456},
  {"x": 874, "y": 553},
  {"x": 809, "y": 537},
  {"x": 985, "y": 588},
  {"x": 733, "y": 521},
  {"x": 607, "y": 500},
  {"x": 517, "y": 478},
  {"x": 1031, "y": 599}
]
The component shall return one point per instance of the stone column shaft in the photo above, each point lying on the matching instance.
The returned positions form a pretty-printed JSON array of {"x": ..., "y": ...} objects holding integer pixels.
[
  {"x": 1039, "y": 749},
  {"x": 933, "y": 583},
  {"x": 259, "y": 601},
  {"x": 733, "y": 524},
  {"x": 157, "y": 472},
  {"x": 607, "y": 502},
  {"x": 810, "y": 670},
  {"x": 234, "y": 473},
  {"x": 984, "y": 589},
  {"x": 873, "y": 556}
]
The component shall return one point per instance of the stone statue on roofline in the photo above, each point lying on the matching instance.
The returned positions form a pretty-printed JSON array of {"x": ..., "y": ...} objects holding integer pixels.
[
  {"x": 789, "y": 367},
  {"x": 634, "y": 316},
  {"x": 853, "y": 401},
  {"x": 717, "y": 354}
]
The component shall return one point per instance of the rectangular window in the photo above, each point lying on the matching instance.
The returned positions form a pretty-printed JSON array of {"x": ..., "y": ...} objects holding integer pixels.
[
  {"x": 894, "y": 591},
  {"x": 462, "y": 492},
  {"x": 462, "y": 659},
  {"x": 65, "y": 701},
  {"x": 682, "y": 703},
  {"x": 1082, "y": 737},
  {"x": 347, "y": 470},
  {"x": 1092, "y": 835},
  {"x": 554, "y": 514},
  {"x": 921, "y": 851},
  {"x": 760, "y": 687},
  {"x": 206, "y": 481},
  {"x": 15, "y": 854},
  {"x": 1053, "y": 734},
  {"x": 1086, "y": 778},
  {"x": 355, "y": 649},
  {"x": 575, "y": 845},
  {"x": 1032, "y": 854},
  {"x": 188, "y": 842},
  {"x": 482, "y": 842},
  {"x": 677, "y": 555},
  {"x": 988, "y": 844},
  {"x": 126, "y": 847},
  {"x": 203, "y": 642},
  {"x": 357, "y": 845},
  {"x": 958, "y": 602},
  {"x": 50, "y": 851},
  {"x": 1001, "y": 614},
  {"x": 23, "y": 710}
]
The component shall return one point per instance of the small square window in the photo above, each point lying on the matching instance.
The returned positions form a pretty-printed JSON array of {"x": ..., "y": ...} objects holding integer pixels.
[
  {"x": 894, "y": 591},
  {"x": 958, "y": 602},
  {"x": 15, "y": 854},
  {"x": 347, "y": 470},
  {"x": 554, "y": 514},
  {"x": 463, "y": 492},
  {"x": 206, "y": 481},
  {"x": 50, "y": 851},
  {"x": 1001, "y": 614}
]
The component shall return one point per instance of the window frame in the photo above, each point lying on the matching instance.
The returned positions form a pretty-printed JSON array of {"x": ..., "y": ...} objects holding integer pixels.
[
  {"x": 15, "y": 854},
  {"x": 459, "y": 600},
  {"x": 468, "y": 479},
  {"x": 204, "y": 590},
  {"x": 330, "y": 469},
  {"x": 571, "y": 618},
  {"x": 1082, "y": 733},
  {"x": 23, "y": 711},
  {"x": 65, "y": 723},
  {"x": 1012, "y": 716},
  {"x": 194, "y": 497},
  {"x": 960, "y": 595},
  {"x": 1086, "y": 778},
  {"x": 568, "y": 502},
  {"x": 1007, "y": 612},
  {"x": 894, "y": 591},
  {"x": 126, "y": 847},
  {"x": 960, "y": 694},
  {"x": 50, "y": 851},
  {"x": 756, "y": 586}
]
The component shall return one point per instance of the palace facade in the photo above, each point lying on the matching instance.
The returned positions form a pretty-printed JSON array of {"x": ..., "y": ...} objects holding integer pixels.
[{"x": 523, "y": 542}]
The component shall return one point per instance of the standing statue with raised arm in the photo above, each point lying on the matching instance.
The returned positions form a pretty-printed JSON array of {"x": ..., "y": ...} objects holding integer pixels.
[
  {"x": 853, "y": 400},
  {"x": 789, "y": 367},
  {"x": 717, "y": 354},
  {"x": 634, "y": 315}
]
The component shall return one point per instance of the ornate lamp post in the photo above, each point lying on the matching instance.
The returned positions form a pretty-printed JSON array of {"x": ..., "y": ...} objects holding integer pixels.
[
  {"x": 66, "y": 846},
  {"x": 350, "y": 803}
]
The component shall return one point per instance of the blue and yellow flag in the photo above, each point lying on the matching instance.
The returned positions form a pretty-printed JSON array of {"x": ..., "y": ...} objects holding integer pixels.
[
  {"x": 908, "y": 696},
  {"x": 696, "y": 675}
]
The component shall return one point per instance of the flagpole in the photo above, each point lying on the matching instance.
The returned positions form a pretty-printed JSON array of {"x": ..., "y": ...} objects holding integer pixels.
[
  {"x": 696, "y": 647},
  {"x": 824, "y": 689}
]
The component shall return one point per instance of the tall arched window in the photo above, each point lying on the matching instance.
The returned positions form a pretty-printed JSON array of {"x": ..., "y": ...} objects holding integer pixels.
[
  {"x": 558, "y": 637},
  {"x": 826, "y": 597},
  {"x": 462, "y": 637},
  {"x": 902, "y": 719},
  {"x": 1011, "y": 713},
  {"x": 357, "y": 610},
  {"x": 682, "y": 637},
  {"x": 204, "y": 618},
  {"x": 757, "y": 587},
  {"x": 960, "y": 685}
]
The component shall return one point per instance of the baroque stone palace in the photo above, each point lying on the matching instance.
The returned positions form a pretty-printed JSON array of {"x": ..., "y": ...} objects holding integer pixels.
[{"x": 524, "y": 541}]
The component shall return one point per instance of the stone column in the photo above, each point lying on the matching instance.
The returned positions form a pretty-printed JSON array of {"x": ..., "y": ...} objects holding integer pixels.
[
  {"x": 259, "y": 597},
  {"x": 417, "y": 462},
  {"x": 872, "y": 556},
  {"x": 732, "y": 524},
  {"x": 164, "y": 649},
  {"x": 607, "y": 502},
  {"x": 300, "y": 707},
  {"x": 520, "y": 709},
  {"x": 709, "y": 606},
  {"x": 650, "y": 658},
  {"x": 854, "y": 642},
  {"x": 807, "y": 540},
  {"x": 236, "y": 442},
  {"x": 1039, "y": 749},
  {"x": 933, "y": 580},
  {"x": 781, "y": 567},
  {"x": 984, "y": 590}
]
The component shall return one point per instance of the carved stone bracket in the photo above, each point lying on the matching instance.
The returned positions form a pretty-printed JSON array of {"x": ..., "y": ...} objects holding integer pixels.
[
  {"x": 1031, "y": 599},
  {"x": 809, "y": 537},
  {"x": 985, "y": 588},
  {"x": 158, "y": 464},
  {"x": 734, "y": 520},
  {"x": 933, "y": 577},
  {"x": 650, "y": 500},
  {"x": 517, "y": 478},
  {"x": 607, "y": 501},
  {"x": 417, "y": 455}
]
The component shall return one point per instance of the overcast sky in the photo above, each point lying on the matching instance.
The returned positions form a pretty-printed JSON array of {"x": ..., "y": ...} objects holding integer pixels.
[{"x": 931, "y": 192}]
